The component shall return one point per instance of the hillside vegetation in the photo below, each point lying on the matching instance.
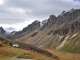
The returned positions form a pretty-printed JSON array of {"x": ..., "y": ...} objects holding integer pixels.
[{"x": 24, "y": 51}]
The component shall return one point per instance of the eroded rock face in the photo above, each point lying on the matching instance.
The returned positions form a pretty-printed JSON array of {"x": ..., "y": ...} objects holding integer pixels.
[
  {"x": 70, "y": 15},
  {"x": 52, "y": 20},
  {"x": 69, "y": 28},
  {"x": 62, "y": 19}
]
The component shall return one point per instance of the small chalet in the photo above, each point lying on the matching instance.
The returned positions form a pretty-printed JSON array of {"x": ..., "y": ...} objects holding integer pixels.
[{"x": 15, "y": 45}]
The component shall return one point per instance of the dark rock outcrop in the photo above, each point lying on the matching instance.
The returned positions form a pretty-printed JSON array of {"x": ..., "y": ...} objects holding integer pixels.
[
  {"x": 50, "y": 22},
  {"x": 72, "y": 27},
  {"x": 68, "y": 16}
]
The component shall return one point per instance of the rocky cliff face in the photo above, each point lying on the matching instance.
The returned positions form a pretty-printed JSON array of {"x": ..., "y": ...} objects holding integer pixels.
[
  {"x": 71, "y": 27},
  {"x": 70, "y": 22},
  {"x": 62, "y": 19},
  {"x": 52, "y": 20},
  {"x": 68, "y": 16}
]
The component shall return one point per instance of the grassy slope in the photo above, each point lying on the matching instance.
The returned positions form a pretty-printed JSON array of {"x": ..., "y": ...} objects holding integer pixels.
[
  {"x": 71, "y": 48},
  {"x": 65, "y": 55},
  {"x": 11, "y": 52},
  {"x": 73, "y": 44},
  {"x": 7, "y": 52}
]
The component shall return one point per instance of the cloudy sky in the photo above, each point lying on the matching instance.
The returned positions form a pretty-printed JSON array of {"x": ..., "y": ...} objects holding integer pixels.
[{"x": 16, "y": 14}]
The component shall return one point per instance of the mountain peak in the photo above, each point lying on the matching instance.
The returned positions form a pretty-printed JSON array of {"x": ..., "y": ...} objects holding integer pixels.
[
  {"x": 2, "y": 31},
  {"x": 1, "y": 27},
  {"x": 52, "y": 15}
]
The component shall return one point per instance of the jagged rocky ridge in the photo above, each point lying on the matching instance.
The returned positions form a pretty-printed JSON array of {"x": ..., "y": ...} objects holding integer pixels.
[
  {"x": 71, "y": 27},
  {"x": 57, "y": 33},
  {"x": 63, "y": 18}
]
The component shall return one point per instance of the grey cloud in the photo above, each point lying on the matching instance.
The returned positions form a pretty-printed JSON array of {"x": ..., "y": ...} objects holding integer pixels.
[
  {"x": 77, "y": 0},
  {"x": 38, "y": 9},
  {"x": 10, "y": 20},
  {"x": 52, "y": 7},
  {"x": 10, "y": 29}
]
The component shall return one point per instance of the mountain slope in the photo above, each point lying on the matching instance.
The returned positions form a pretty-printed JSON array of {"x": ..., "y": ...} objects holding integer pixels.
[
  {"x": 7, "y": 50},
  {"x": 57, "y": 32}
]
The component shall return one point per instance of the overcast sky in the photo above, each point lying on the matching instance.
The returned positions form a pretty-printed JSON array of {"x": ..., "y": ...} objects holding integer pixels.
[{"x": 16, "y": 14}]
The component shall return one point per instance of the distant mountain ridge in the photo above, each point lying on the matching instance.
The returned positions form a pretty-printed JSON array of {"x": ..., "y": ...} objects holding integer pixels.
[{"x": 17, "y": 34}]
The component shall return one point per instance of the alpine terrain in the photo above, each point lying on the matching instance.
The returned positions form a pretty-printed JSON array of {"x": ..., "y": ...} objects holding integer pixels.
[{"x": 56, "y": 38}]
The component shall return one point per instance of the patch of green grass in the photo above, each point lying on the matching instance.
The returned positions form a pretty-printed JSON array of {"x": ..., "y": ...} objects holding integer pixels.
[
  {"x": 25, "y": 55},
  {"x": 3, "y": 57},
  {"x": 71, "y": 47},
  {"x": 0, "y": 56},
  {"x": 11, "y": 52}
]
